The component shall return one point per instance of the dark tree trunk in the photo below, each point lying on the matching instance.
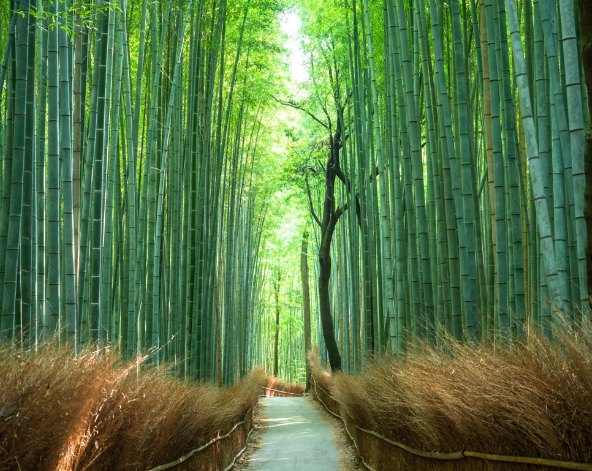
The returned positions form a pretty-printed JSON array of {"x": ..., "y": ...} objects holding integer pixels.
[
  {"x": 585, "y": 13},
  {"x": 325, "y": 306},
  {"x": 306, "y": 302},
  {"x": 329, "y": 220}
]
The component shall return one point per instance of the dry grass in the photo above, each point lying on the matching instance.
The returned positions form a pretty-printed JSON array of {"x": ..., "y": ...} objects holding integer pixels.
[
  {"x": 531, "y": 400},
  {"x": 279, "y": 385},
  {"x": 321, "y": 374},
  {"x": 94, "y": 412}
]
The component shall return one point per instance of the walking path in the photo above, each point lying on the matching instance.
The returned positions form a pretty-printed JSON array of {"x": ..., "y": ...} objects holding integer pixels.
[{"x": 296, "y": 438}]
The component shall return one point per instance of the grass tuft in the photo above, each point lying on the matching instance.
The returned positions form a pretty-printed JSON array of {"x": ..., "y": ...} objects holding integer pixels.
[
  {"x": 279, "y": 385},
  {"x": 532, "y": 400},
  {"x": 94, "y": 412}
]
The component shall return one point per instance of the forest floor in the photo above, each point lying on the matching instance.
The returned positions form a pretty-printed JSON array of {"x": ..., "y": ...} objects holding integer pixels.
[{"x": 295, "y": 434}]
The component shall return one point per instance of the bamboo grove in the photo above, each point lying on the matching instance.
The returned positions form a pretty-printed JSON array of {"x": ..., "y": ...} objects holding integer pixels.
[
  {"x": 440, "y": 164},
  {"x": 446, "y": 176},
  {"x": 131, "y": 209}
]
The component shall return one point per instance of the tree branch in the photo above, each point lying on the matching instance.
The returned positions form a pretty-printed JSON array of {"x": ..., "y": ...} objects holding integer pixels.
[
  {"x": 340, "y": 210},
  {"x": 314, "y": 215},
  {"x": 328, "y": 235},
  {"x": 300, "y": 108},
  {"x": 339, "y": 173}
]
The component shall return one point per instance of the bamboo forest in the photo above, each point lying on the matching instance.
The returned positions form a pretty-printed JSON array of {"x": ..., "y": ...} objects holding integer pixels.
[{"x": 385, "y": 205}]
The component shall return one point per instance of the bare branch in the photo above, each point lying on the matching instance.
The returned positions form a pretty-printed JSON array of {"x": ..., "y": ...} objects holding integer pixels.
[
  {"x": 343, "y": 179},
  {"x": 322, "y": 166},
  {"x": 314, "y": 215},
  {"x": 300, "y": 108},
  {"x": 339, "y": 173},
  {"x": 340, "y": 210},
  {"x": 327, "y": 115}
]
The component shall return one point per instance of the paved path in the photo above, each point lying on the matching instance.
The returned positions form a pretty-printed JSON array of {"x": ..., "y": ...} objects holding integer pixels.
[{"x": 296, "y": 438}]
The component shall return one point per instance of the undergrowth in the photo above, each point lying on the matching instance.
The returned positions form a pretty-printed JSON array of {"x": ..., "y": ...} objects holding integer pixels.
[
  {"x": 95, "y": 412},
  {"x": 279, "y": 385},
  {"x": 532, "y": 400}
]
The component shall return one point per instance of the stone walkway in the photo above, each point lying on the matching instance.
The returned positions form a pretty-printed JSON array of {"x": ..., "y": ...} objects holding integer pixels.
[{"x": 296, "y": 438}]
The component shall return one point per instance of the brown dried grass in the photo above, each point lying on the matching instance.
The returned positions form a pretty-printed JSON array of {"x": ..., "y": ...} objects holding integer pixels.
[
  {"x": 321, "y": 374},
  {"x": 532, "y": 400},
  {"x": 94, "y": 412},
  {"x": 279, "y": 385}
]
